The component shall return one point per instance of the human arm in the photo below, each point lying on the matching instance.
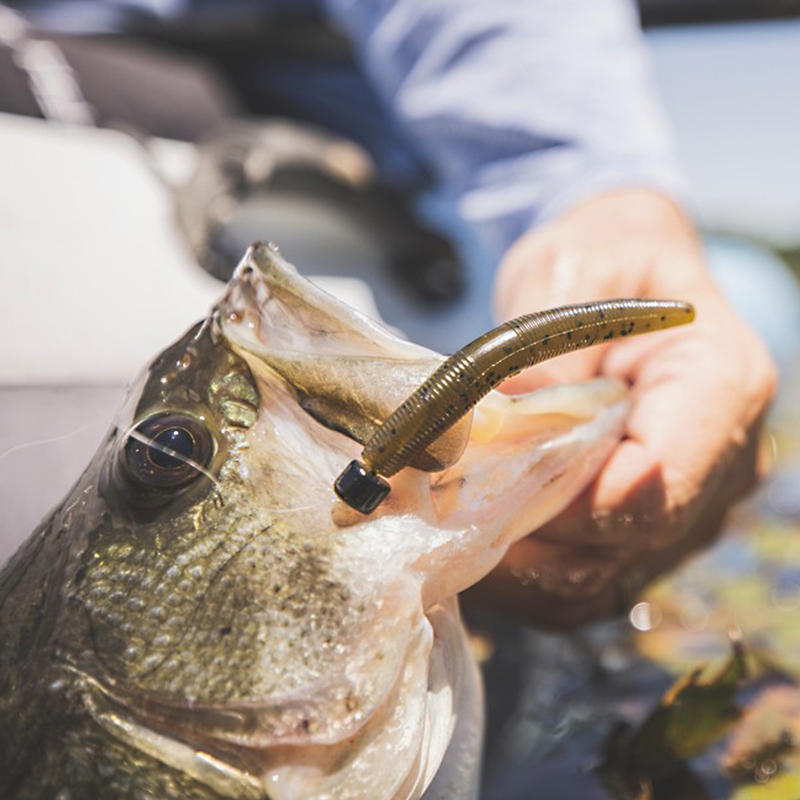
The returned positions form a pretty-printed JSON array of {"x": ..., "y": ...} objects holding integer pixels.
[{"x": 518, "y": 109}]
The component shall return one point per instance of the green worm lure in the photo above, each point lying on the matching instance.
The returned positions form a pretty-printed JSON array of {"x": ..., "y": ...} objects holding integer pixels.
[{"x": 470, "y": 374}]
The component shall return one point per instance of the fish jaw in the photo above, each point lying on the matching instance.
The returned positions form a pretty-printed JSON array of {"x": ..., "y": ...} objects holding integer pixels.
[{"x": 526, "y": 457}]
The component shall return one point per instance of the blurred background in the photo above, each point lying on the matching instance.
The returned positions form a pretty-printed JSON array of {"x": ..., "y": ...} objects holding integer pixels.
[
  {"x": 107, "y": 211},
  {"x": 107, "y": 207}
]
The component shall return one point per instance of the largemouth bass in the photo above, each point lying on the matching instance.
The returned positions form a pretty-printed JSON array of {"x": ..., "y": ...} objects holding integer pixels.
[{"x": 202, "y": 617}]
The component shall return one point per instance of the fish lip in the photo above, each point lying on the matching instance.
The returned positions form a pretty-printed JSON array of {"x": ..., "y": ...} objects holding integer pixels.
[
  {"x": 274, "y": 300},
  {"x": 231, "y": 725},
  {"x": 244, "y": 296},
  {"x": 261, "y": 274},
  {"x": 256, "y": 726}
]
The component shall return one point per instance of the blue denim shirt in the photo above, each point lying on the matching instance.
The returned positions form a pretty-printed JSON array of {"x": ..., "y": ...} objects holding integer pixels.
[
  {"x": 518, "y": 108},
  {"x": 522, "y": 107}
]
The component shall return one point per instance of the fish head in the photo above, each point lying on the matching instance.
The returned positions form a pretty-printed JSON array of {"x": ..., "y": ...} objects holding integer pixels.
[{"x": 228, "y": 615}]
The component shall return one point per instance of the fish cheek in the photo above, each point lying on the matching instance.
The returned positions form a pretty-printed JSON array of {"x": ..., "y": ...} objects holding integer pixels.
[{"x": 139, "y": 584}]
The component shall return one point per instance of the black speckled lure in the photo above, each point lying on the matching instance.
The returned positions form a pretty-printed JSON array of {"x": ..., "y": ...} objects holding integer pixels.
[{"x": 471, "y": 373}]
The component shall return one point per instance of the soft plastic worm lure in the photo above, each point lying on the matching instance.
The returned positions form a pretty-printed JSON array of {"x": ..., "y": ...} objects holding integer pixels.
[{"x": 471, "y": 373}]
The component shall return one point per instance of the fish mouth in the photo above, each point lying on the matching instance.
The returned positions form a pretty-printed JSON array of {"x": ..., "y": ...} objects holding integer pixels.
[{"x": 339, "y": 366}]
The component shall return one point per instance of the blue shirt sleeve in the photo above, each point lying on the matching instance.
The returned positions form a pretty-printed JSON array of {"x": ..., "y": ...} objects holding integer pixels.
[{"x": 520, "y": 107}]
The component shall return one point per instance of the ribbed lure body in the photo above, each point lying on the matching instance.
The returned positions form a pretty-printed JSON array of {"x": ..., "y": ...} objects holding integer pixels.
[{"x": 471, "y": 373}]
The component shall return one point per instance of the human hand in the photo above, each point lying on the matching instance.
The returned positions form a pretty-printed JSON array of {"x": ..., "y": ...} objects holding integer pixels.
[{"x": 692, "y": 440}]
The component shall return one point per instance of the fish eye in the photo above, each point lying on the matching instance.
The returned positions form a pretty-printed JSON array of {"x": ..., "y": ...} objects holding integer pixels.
[{"x": 165, "y": 451}]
